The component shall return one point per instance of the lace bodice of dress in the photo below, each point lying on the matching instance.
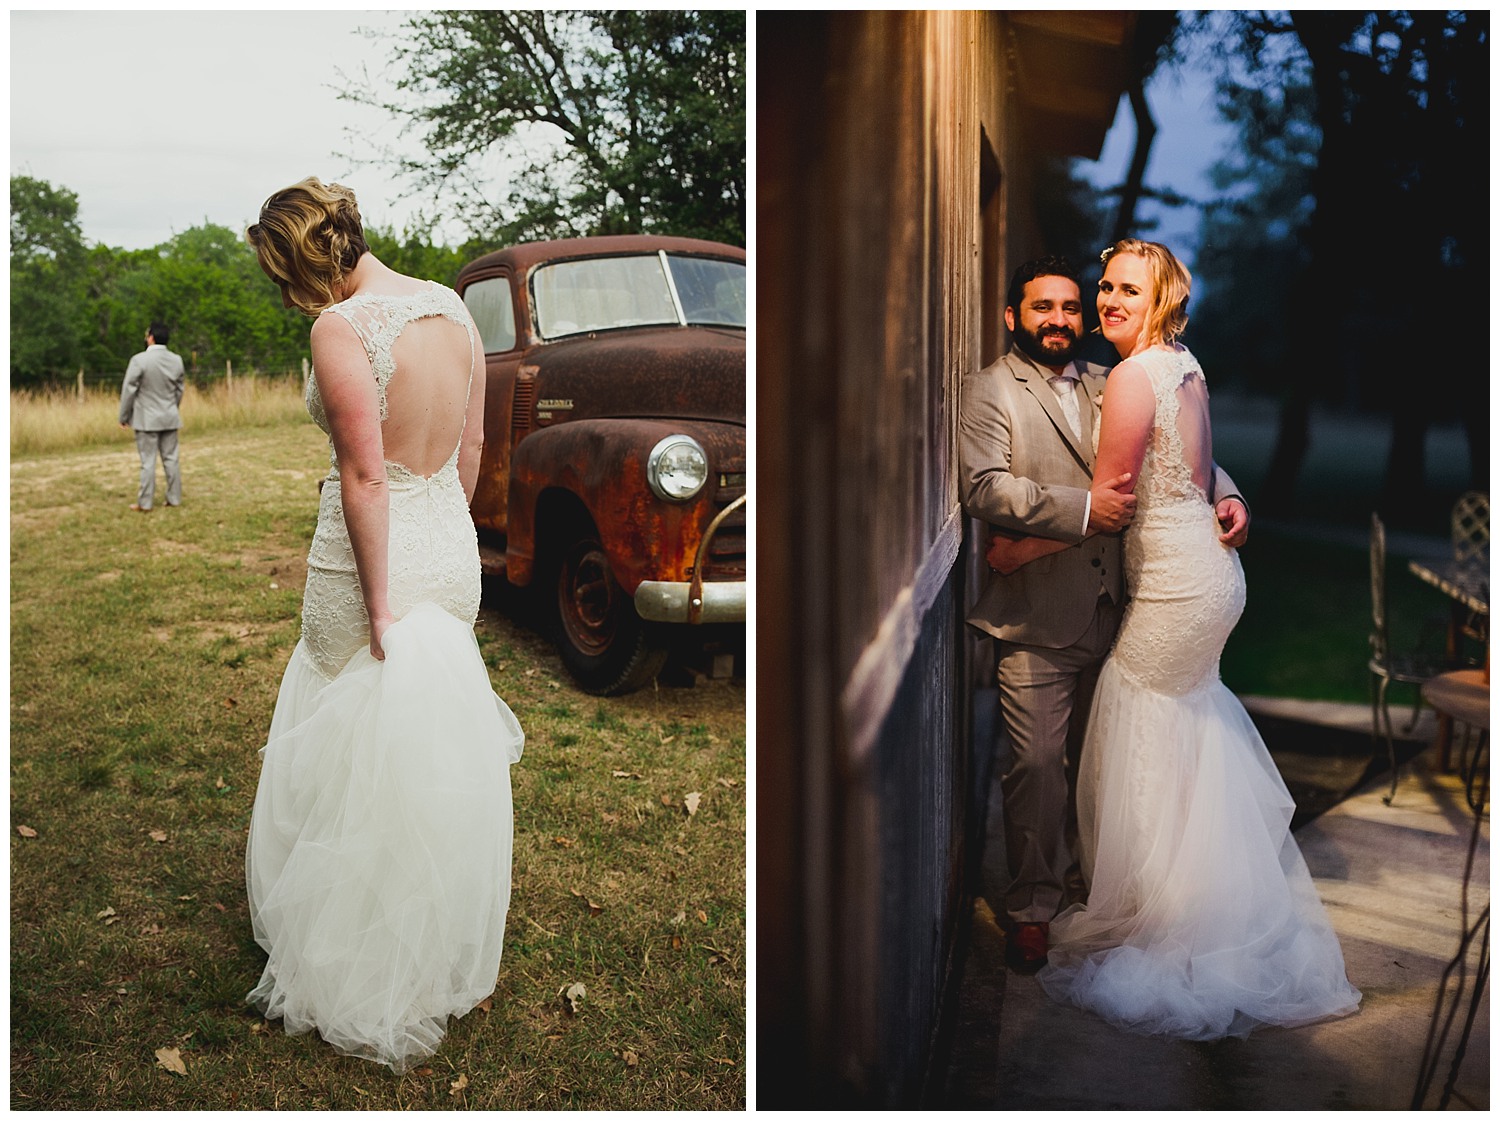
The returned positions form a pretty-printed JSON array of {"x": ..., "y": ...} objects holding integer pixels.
[
  {"x": 1166, "y": 475},
  {"x": 433, "y": 553},
  {"x": 378, "y": 320},
  {"x": 1186, "y": 586}
]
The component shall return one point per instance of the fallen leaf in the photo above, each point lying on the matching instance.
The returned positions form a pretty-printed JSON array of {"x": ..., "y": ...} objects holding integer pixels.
[
  {"x": 151, "y": 929},
  {"x": 725, "y": 1062},
  {"x": 219, "y": 907},
  {"x": 230, "y": 702},
  {"x": 171, "y": 1059},
  {"x": 186, "y": 898},
  {"x": 274, "y": 585},
  {"x": 625, "y": 774},
  {"x": 668, "y": 740},
  {"x": 258, "y": 1027},
  {"x": 609, "y": 818},
  {"x": 573, "y": 996},
  {"x": 676, "y": 941},
  {"x": 26, "y": 830},
  {"x": 631, "y": 1058},
  {"x": 691, "y": 802},
  {"x": 666, "y": 799},
  {"x": 702, "y": 917},
  {"x": 458, "y": 1087},
  {"x": 565, "y": 842},
  {"x": 158, "y": 835},
  {"x": 106, "y": 913},
  {"x": 486, "y": 1004},
  {"x": 220, "y": 784},
  {"x": 423, "y": 1072},
  {"x": 679, "y": 917},
  {"x": 729, "y": 782}
]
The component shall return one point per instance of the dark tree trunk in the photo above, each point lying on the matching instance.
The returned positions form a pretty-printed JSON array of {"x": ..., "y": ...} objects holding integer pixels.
[{"x": 1135, "y": 179}]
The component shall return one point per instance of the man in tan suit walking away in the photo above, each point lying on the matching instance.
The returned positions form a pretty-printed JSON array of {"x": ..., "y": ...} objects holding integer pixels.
[
  {"x": 1027, "y": 428},
  {"x": 148, "y": 403}
]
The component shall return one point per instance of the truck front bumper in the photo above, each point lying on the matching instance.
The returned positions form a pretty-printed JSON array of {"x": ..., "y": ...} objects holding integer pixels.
[{"x": 673, "y": 601}]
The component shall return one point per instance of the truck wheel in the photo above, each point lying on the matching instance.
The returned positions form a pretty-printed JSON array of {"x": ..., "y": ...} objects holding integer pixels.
[{"x": 606, "y": 646}]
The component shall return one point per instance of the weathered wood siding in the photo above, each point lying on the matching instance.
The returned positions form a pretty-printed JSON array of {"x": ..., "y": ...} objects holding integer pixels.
[{"x": 885, "y": 157}]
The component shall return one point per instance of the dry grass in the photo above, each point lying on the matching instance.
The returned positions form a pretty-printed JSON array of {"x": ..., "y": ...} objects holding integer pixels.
[
  {"x": 51, "y": 420},
  {"x": 146, "y": 653}
]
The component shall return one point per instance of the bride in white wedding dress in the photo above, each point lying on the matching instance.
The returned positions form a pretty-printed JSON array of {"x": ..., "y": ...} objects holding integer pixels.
[
  {"x": 379, "y": 858},
  {"x": 1201, "y": 920}
]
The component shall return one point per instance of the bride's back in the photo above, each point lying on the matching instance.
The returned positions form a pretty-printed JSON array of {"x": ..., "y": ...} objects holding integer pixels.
[
  {"x": 1194, "y": 430},
  {"x": 428, "y": 393},
  {"x": 1179, "y": 461}
]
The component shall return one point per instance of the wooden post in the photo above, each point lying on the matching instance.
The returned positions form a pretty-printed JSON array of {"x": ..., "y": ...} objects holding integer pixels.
[
  {"x": 80, "y": 383},
  {"x": 229, "y": 376}
]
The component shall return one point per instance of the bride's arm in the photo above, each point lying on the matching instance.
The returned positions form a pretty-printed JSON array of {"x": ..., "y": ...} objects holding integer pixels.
[
  {"x": 472, "y": 445},
  {"x": 347, "y": 388},
  {"x": 1129, "y": 411}
]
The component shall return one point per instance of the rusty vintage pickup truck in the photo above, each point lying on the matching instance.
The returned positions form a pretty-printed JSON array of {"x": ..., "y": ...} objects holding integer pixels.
[{"x": 613, "y": 476}]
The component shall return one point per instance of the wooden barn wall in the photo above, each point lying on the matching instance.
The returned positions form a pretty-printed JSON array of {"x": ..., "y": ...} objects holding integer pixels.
[{"x": 881, "y": 230}]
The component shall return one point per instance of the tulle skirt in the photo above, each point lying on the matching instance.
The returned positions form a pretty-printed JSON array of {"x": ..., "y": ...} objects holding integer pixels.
[
  {"x": 1202, "y": 920},
  {"x": 379, "y": 858}
]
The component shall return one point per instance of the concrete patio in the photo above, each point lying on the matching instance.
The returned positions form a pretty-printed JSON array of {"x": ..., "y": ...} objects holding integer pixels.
[{"x": 1393, "y": 880}]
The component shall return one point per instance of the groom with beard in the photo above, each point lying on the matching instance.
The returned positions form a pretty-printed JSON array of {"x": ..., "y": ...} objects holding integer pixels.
[{"x": 1027, "y": 426}]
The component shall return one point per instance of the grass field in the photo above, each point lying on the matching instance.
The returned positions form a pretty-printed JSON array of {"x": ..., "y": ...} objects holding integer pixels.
[{"x": 146, "y": 653}]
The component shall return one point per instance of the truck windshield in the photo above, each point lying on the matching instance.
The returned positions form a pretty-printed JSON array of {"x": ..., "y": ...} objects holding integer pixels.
[{"x": 603, "y": 293}]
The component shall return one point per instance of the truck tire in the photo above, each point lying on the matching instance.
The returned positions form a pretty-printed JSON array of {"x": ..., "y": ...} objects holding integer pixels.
[{"x": 607, "y": 647}]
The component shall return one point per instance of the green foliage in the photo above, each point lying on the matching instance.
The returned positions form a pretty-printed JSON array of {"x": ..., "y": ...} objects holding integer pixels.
[
  {"x": 606, "y": 121},
  {"x": 46, "y": 268},
  {"x": 75, "y": 305}
]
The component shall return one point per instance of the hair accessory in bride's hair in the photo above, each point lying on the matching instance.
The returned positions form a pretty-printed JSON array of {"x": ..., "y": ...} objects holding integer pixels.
[{"x": 1105, "y": 256}]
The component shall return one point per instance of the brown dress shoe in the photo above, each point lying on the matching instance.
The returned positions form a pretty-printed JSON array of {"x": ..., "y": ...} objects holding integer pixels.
[
  {"x": 1026, "y": 948},
  {"x": 139, "y": 509}
]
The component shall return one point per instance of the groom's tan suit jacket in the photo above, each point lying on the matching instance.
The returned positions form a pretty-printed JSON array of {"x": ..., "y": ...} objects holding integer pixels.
[{"x": 1022, "y": 470}]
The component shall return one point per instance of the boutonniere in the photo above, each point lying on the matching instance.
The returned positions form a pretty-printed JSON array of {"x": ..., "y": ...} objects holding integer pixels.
[{"x": 1099, "y": 399}]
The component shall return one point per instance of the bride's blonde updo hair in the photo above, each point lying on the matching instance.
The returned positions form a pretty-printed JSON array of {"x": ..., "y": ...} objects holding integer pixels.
[
  {"x": 1171, "y": 285},
  {"x": 309, "y": 238}
]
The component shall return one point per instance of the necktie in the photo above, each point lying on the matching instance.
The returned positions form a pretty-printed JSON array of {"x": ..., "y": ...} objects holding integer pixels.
[{"x": 1062, "y": 385}]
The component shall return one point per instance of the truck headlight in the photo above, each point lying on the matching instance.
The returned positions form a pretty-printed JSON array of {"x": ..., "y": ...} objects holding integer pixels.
[{"x": 677, "y": 468}]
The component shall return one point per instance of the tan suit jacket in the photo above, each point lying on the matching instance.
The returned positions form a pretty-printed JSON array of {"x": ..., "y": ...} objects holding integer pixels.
[{"x": 1021, "y": 469}]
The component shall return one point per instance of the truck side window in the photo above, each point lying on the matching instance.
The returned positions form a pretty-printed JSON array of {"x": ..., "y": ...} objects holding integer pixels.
[{"x": 494, "y": 314}]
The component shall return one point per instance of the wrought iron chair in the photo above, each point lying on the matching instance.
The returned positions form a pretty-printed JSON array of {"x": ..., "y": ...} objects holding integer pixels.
[
  {"x": 1471, "y": 529},
  {"x": 1388, "y": 666},
  {"x": 1471, "y": 546}
]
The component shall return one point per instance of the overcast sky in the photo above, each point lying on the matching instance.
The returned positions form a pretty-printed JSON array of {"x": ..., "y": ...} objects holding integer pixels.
[{"x": 161, "y": 121}]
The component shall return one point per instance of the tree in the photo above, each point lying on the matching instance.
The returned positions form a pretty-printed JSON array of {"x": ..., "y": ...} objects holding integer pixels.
[
  {"x": 601, "y": 122},
  {"x": 47, "y": 255},
  {"x": 1400, "y": 102}
]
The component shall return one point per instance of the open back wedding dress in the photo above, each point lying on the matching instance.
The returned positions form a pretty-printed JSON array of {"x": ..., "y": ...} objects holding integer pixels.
[
  {"x": 1202, "y": 920},
  {"x": 379, "y": 858}
]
